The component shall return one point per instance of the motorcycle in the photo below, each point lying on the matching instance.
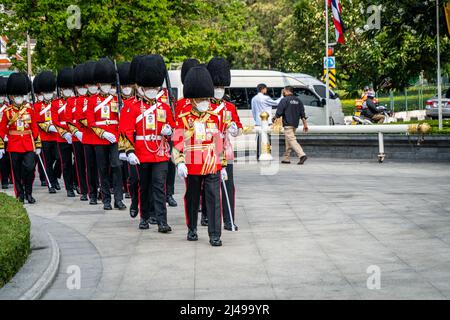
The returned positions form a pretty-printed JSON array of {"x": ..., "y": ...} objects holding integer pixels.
[{"x": 359, "y": 118}]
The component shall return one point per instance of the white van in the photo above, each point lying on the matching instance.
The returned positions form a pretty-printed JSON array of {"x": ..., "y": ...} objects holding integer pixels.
[{"x": 243, "y": 89}]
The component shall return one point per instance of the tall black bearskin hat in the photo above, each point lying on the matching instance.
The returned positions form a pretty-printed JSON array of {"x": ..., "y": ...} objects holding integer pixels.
[
  {"x": 65, "y": 78},
  {"x": 88, "y": 72},
  {"x": 124, "y": 73},
  {"x": 220, "y": 71},
  {"x": 134, "y": 66},
  {"x": 18, "y": 84},
  {"x": 151, "y": 71},
  {"x": 3, "y": 82},
  {"x": 187, "y": 65},
  {"x": 78, "y": 75},
  {"x": 46, "y": 81},
  {"x": 198, "y": 84},
  {"x": 36, "y": 88},
  {"x": 104, "y": 71}
]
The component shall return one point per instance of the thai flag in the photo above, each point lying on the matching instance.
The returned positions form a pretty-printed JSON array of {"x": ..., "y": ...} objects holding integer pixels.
[{"x": 338, "y": 24}]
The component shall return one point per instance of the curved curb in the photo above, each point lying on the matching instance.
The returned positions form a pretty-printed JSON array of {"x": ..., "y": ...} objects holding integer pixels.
[{"x": 44, "y": 282}]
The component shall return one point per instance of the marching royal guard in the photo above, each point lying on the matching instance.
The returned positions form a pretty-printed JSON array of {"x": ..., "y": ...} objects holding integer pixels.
[
  {"x": 198, "y": 153},
  {"x": 75, "y": 128},
  {"x": 103, "y": 119},
  {"x": 38, "y": 99},
  {"x": 146, "y": 140},
  {"x": 220, "y": 71},
  {"x": 128, "y": 98},
  {"x": 46, "y": 83},
  {"x": 88, "y": 136},
  {"x": 5, "y": 166},
  {"x": 61, "y": 116},
  {"x": 20, "y": 125}
]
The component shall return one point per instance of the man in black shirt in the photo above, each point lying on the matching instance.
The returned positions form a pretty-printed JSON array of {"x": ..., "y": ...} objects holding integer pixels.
[{"x": 291, "y": 110}]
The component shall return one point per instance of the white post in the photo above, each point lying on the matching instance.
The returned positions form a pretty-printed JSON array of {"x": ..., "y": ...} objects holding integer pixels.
[
  {"x": 327, "y": 90},
  {"x": 265, "y": 148},
  {"x": 439, "y": 68},
  {"x": 380, "y": 147}
]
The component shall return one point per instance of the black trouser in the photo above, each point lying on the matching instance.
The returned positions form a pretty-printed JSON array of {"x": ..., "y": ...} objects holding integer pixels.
[
  {"x": 125, "y": 174},
  {"x": 91, "y": 170},
  {"x": 80, "y": 164},
  {"x": 211, "y": 184},
  {"x": 40, "y": 169},
  {"x": 50, "y": 157},
  {"x": 170, "y": 180},
  {"x": 133, "y": 186},
  {"x": 152, "y": 184},
  {"x": 5, "y": 167},
  {"x": 108, "y": 158},
  {"x": 230, "y": 191},
  {"x": 23, "y": 166},
  {"x": 65, "y": 152}
]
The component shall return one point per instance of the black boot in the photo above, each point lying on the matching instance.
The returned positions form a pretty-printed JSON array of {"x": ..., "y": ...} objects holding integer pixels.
[
  {"x": 84, "y": 197},
  {"x": 21, "y": 198},
  {"x": 228, "y": 227},
  {"x": 143, "y": 225},
  {"x": 153, "y": 220},
  {"x": 57, "y": 186},
  {"x": 133, "y": 212},
  {"x": 51, "y": 190},
  {"x": 5, "y": 186},
  {"x": 93, "y": 201},
  {"x": 127, "y": 195},
  {"x": 192, "y": 235},
  {"x": 70, "y": 193},
  {"x": 204, "y": 220},
  {"x": 215, "y": 241},
  {"x": 164, "y": 228},
  {"x": 171, "y": 201},
  {"x": 119, "y": 205},
  {"x": 107, "y": 206},
  {"x": 30, "y": 199}
]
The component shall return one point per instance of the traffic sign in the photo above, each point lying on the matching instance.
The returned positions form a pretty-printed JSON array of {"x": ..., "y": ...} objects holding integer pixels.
[{"x": 331, "y": 62}]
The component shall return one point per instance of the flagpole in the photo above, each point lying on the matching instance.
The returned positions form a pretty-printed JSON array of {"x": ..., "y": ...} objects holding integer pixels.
[
  {"x": 439, "y": 68},
  {"x": 327, "y": 90}
]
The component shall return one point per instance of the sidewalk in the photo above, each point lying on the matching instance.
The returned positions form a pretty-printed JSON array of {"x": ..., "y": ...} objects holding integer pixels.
[{"x": 308, "y": 232}]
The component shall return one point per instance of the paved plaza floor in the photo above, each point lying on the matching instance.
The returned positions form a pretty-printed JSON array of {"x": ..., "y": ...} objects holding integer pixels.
[{"x": 326, "y": 230}]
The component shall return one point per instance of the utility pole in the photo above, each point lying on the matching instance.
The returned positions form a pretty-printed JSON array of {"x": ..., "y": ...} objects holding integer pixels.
[
  {"x": 327, "y": 90},
  {"x": 439, "y": 85}
]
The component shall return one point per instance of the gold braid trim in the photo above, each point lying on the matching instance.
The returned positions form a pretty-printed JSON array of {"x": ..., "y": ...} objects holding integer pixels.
[
  {"x": 72, "y": 128},
  {"x": 2, "y": 143},
  {"x": 83, "y": 122},
  {"x": 125, "y": 144},
  {"x": 44, "y": 126},
  {"x": 98, "y": 131},
  {"x": 38, "y": 143},
  {"x": 61, "y": 131},
  {"x": 177, "y": 156}
]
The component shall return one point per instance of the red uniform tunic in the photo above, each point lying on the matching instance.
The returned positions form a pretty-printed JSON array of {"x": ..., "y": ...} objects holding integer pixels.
[
  {"x": 20, "y": 125},
  {"x": 43, "y": 113},
  {"x": 142, "y": 131},
  {"x": 124, "y": 120},
  {"x": 180, "y": 105},
  {"x": 198, "y": 141},
  {"x": 62, "y": 115},
  {"x": 102, "y": 115}
]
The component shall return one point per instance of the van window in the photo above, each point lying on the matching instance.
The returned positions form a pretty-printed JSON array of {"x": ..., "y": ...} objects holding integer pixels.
[
  {"x": 238, "y": 97},
  {"x": 307, "y": 97},
  {"x": 251, "y": 92},
  {"x": 321, "y": 91}
]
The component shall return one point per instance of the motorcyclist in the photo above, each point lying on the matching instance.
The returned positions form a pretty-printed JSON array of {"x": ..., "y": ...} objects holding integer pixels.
[{"x": 370, "y": 108}]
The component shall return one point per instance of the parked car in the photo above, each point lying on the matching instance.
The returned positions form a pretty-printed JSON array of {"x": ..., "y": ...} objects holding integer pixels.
[
  {"x": 243, "y": 89},
  {"x": 432, "y": 110}
]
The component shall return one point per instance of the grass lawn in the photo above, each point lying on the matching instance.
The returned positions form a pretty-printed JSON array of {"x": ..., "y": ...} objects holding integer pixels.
[{"x": 14, "y": 237}]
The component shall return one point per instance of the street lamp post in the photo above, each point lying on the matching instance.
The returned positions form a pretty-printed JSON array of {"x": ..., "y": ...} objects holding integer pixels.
[
  {"x": 438, "y": 68},
  {"x": 327, "y": 90}
]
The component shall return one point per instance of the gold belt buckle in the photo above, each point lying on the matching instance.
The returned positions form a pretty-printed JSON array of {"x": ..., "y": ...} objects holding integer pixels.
[{"x": 107, "y": 122}]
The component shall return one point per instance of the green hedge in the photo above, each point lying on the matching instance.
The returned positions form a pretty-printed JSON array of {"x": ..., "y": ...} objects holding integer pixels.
[{"x": 14, "y": 237}]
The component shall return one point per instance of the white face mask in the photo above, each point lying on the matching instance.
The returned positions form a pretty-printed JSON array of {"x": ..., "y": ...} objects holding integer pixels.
[
  {"x": 203, "y": 106},
  {"x": 18, "y": 100},
  {"x": 93, "y": 89},
  {"x": 219, "y": 93},
  {"x": 126, "y": 91},
  {"x": 113, "y": 91},
  {"x": 40, "y": 97},
  {"x": 2, "y": 99},
  {"x": 48, "y": 96},
  {"x": 67, "y": 93},
  {"x": 151, "y": 93},
  {"x": 140, "y": 91},
  {"x": 105, "y": 88},
  {"x": 81, "y": 91}
]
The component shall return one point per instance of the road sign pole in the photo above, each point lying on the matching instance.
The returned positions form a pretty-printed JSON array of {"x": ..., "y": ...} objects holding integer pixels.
[
  {"x": 327, "y": 89},
  {"x": 438, "y": 68}
]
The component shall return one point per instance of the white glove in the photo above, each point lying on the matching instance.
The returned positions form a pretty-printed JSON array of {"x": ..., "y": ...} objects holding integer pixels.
[
  {"x": 132, "y": 159},
  {"x": 123, "y": 156},
  {"x": 182, "y": 170},
  {"x": 166, "y": 130},
  {"x": 6, "y": 139},
  {"x": 68, "y": 137},
  {"x": 2, "y": 153},
  {"x": 37, "y": 151},
  {"x": 109, "y": 136},
  {"x": 52, "y": 128},
  {"x": 233, "y": 129},
  {"x": 224, "y": 174},
  {"x": 79, "y": 135}
]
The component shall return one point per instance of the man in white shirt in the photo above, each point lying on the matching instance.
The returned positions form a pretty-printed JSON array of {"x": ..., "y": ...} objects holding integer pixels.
[{"x": 262, "y": 102}]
